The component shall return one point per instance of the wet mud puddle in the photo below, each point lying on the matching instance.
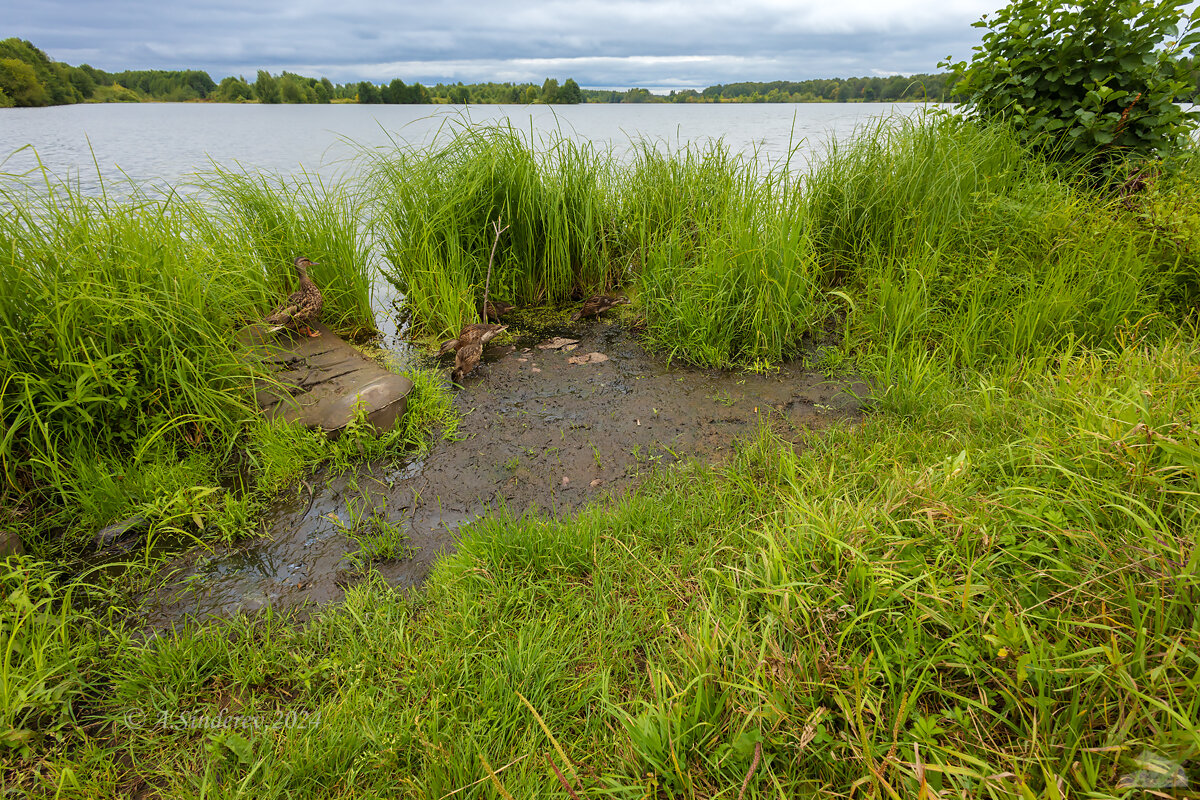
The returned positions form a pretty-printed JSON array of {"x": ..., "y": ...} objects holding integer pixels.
[{"x": 543, "y": 428}]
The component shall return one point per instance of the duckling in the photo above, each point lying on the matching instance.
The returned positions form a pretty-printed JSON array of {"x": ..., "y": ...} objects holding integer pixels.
[
  {"x": 475, "y": 332},
  {"x": 466, "y": 359},
  {"x": 302, "y": 307},
  {"x": 497, "y": 309},
  {"x": 597, "y": 305}
]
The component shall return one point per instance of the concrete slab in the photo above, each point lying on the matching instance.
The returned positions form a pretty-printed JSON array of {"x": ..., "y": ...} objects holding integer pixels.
[{"x": 324, "y": 380}]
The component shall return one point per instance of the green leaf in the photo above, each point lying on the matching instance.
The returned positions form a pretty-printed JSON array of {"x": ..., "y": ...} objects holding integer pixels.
[{"x": 240, "y": 747}]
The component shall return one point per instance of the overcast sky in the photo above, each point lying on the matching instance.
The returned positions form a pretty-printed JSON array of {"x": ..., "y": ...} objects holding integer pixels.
[{"x": 659, "y": 44}]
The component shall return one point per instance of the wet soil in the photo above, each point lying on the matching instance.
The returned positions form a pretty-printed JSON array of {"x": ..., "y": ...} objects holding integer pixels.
[{"x": 538, "y": 433}]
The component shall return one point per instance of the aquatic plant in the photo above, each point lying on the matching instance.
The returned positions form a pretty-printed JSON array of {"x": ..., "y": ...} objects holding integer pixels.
[
  {"x": 935, "y": 229},
  {"x": 438, "y": 206}
]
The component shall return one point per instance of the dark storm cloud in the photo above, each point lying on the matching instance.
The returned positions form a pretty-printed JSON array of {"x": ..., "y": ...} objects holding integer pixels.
[{"x": 660, "y": 43}]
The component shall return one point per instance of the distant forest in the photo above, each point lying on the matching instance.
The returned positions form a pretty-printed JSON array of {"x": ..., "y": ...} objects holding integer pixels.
[{"x": 29, "y": 78}]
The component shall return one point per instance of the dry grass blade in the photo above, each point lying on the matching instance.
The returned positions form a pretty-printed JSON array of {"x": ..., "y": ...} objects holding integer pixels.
[{"x": 561, "y": 778}]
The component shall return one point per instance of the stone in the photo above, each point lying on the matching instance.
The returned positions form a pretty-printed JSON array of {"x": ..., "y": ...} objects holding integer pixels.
[
  {"x": 557, "y": 343},
  {"x": 590, "y": 358},
  {"x": 10, "y": 543},
  {"x": 324, "y": 380}
]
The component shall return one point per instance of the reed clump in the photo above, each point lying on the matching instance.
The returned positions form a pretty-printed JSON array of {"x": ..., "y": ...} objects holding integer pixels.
[
  {"x": 727, "y": 275},
  {"x": 267, "y": 221},
  {"x": 927, "y": 232},
  {"x": 946, "y": 234},
  {"x": 437, "y": 209},
  {"x": 116, "y": 348},
  {"x": 124, "y": 391}
]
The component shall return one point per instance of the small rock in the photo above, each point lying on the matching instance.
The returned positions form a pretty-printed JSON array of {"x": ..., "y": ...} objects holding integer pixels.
[
  {"x": 10, "y": 543},
  {"x": 522, "y": 360},
  {"x": 595, "y": 483},
  {"x": 565, "y": 480},
  {"x": 556, "y": 343},
  {"x": 535, "y": 369},
  {"x": 590, "y": 358},
  {"x": 116, "y": 531}
]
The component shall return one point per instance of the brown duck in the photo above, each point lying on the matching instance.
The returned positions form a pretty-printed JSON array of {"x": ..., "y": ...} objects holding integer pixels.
[
  {"x": 475, "y": 332},
  {"x": 497, "y": 309},
  {"x": 303, "y": 306},
  {"x": 597, "y": 305},
  {"x": 465, "y": 359}
]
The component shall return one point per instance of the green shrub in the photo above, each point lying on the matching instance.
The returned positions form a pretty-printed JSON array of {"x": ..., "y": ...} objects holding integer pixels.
[{"x": 1093, "y": 81}]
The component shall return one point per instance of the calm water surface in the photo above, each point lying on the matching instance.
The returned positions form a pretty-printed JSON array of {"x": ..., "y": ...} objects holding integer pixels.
[{"x": 166, "y": 143}]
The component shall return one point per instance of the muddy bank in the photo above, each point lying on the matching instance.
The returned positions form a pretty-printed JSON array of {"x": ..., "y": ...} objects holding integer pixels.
[{"x": 538, "y": 433}]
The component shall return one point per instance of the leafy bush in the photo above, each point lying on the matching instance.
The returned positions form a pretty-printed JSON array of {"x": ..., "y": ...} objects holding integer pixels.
[{"x": 1091, "y": 81}]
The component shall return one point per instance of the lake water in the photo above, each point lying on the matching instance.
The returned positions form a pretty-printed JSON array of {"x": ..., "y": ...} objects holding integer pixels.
[{"x": 165, "y": 143}]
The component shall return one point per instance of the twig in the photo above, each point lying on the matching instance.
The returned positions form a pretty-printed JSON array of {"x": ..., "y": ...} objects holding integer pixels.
[
  {"x": 561, "y": 779},
  {"x": 488, "y": 282},
  {"x": 753, "y": 767}
]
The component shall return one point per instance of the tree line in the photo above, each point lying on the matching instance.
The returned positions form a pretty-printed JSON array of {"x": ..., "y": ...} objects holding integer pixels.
[{"x": 28, "y": 77}]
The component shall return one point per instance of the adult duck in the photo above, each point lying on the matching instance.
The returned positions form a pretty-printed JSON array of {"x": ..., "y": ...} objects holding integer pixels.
[
  {"x": 465, "y": 359},
  {"x": 302, "y": 307},
  {"x": 596, "y": 305},
  {"x": 496, "y": 309}
]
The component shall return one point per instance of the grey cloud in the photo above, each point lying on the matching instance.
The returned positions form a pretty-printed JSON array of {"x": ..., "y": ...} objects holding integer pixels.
[{"x": 620, "y": 43}]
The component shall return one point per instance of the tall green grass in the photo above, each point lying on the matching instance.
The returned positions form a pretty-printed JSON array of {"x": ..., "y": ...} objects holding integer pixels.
[
  {"x": 943, "y": 233},
  {"x": 727, "y": 274},
  {"x": 122, "y": 387},
  {"x": 927, "y": 232},
  {"x": 271, "y": 221},
  {"x": 117, "y": 344},
  {"x": 438, "y": 208},
  {"x": 993, "y": 597}
]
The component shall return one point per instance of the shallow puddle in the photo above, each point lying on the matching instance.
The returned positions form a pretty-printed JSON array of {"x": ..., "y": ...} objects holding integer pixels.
[{"x": 538, "y": 433}]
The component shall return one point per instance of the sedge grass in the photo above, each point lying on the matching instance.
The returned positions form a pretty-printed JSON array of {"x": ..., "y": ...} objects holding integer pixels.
[
  {"x": 437, "y": 209},
  {"x": 272, "y": 221},
  {"x": 728, "y": 275},
  {"x": 942, "y": 233},
  {"x": 123, "y": 390},
  {"x": 994, "y": 596},
  {"x": 933, "y": 230},
  {"x": 988, "y": 588}
]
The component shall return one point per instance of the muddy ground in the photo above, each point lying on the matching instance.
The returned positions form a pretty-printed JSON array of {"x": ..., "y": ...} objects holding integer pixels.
[{"x": 538, "y": 433}]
